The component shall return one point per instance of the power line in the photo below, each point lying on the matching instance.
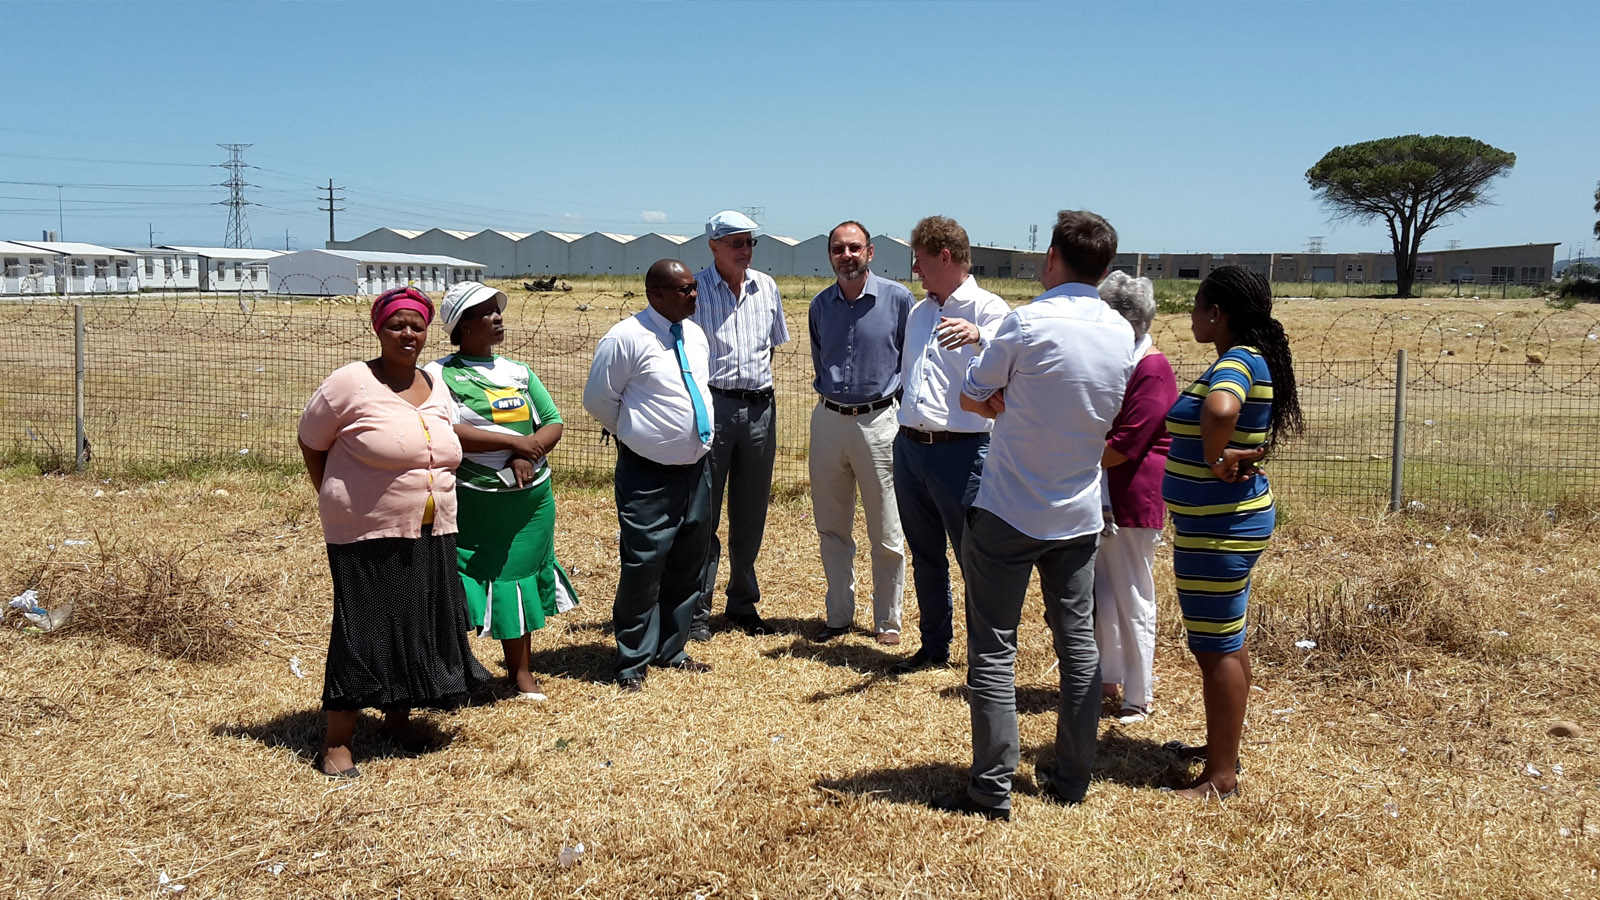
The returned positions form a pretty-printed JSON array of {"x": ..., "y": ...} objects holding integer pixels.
[{"x": 238, "y": 231}]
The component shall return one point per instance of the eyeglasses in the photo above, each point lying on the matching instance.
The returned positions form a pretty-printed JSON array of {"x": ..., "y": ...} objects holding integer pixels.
[
  {"x": 739, "y": 245},
  {"x": 685, "y": 290}
]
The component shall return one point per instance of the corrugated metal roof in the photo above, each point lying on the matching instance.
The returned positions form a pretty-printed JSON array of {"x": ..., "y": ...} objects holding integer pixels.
[
  {"x": 227, "y": 252},
  {"x": 460, "y": 235},
  {"x": 406, "y": 232},
  {"x": 75, "y": 248},
  {"x": 514, "y": 235},
  {"x": 567, "y": 236},
  {"x": 153, "y": 251},
  {"x": 384, "y": 256},
  {"x": 779, "y": 238},
  {"x": 619, "y": 238},
  {"x": 21, "y": 249}
]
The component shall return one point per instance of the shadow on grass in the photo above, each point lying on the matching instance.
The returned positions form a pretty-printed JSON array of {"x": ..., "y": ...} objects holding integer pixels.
[
  {"x": 589, "y": 662},
  {"x": 301, "y": 733},
  {"x": 915, "y": 785},
  {"x": 1031, "y": 699}
]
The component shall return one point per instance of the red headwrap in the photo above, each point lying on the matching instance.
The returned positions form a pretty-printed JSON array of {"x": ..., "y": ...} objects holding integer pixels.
[{"x": 391, "y": 302}]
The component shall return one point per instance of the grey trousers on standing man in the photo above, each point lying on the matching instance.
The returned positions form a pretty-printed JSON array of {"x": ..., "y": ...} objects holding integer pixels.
[
  {"x": 999, "y": 560},
  {"x": 742, "y": 454}
]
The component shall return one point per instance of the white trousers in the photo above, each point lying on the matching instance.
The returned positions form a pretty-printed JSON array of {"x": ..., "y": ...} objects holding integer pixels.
[
  {"x": 1125, "y": 611},
  {"x": 850, "y": 453}
]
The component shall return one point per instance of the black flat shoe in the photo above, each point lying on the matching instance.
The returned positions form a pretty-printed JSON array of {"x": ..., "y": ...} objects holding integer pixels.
[
  {"x": 966, "y": 806},
  {"x": 751, "y": 624},
  {"x": 922, "y": 659},
  {"x": 346, "y": 774},
  {"x": 828, "y": 632}
]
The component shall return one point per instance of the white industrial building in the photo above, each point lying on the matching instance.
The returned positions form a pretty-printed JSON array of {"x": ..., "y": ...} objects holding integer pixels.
[
  {"x": 232, "y": 268},
  {"x": 165, "y": 269},
  {"x": 639, "y": 254},
  {"x": 27, "y": 270},
  {"x": 891, "y": 257},
  {"x": 88, "y": 268},
  {"x": 599, "y": 253},
  {"x": 545, "y": 253},
  {"x": 329, "y": 273}
]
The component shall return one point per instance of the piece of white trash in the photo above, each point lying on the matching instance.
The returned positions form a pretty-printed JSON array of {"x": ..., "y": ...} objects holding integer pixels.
[
  {"x": 570, "y": 856},
  {"x": 1306, "y": 644},
  {"x": 294, "y": 666}
]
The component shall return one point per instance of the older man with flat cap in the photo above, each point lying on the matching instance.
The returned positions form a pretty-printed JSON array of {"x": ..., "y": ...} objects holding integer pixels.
[{"x": 742, "y": 316}]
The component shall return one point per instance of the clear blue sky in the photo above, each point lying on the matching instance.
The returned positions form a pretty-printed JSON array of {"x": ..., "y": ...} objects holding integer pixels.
[{"x": 1188, "y": 125}]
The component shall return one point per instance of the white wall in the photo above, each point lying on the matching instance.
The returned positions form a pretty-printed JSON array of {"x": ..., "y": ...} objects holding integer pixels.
[{"x": 596, "y": 254}]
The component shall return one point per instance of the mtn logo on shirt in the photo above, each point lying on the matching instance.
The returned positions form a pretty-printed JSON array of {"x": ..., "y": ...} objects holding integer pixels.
[{"x": 506, "y": 405}]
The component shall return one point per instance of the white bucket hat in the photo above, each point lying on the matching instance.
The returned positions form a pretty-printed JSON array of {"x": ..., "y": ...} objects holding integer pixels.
[{"x": 464, "y": 295}]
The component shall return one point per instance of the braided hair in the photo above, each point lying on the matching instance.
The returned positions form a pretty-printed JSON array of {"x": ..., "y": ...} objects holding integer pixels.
[{"x": 1246, "y": 298}]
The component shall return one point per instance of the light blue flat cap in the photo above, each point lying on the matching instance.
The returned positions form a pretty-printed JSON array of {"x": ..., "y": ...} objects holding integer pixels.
[{"x": 728, "y": 222}]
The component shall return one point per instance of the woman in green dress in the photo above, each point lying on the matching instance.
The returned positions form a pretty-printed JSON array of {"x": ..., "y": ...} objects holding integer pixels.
[{"x": 507, "y": 426}]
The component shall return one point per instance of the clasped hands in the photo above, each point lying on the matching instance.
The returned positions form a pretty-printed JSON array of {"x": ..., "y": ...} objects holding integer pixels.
[
  {"x": 1238, "y": 465},
  {"x": 525, "y": 456}
]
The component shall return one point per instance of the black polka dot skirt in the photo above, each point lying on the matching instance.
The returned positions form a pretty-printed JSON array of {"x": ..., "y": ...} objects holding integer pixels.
[{"x": 399, "y": 626}]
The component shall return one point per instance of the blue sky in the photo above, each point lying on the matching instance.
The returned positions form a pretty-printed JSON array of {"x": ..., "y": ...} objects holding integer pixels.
[{"x": 1188, "y": 125}]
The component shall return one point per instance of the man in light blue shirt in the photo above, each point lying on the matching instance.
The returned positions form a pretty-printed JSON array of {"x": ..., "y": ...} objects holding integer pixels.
[
  {"x": 1053, "y": 378},
  {"x": 742, "y": 316}
]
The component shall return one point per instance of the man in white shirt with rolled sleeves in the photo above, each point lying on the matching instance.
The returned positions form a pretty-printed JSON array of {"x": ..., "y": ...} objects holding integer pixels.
[
  {"x": 1053, "y": 376},
  {"x": 939, "y": 451},
  {"x": 648, "y": 387}
]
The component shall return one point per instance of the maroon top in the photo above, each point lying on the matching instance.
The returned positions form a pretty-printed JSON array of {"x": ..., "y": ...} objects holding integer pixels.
[{"x": 1140, "y": 433}]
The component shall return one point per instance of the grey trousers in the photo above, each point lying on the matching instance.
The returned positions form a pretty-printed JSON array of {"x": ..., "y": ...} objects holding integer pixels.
[
  {"x": 665, "y": 517},
  {"x": 742, "y": 454},
  {"x": 999, "y": 561}
]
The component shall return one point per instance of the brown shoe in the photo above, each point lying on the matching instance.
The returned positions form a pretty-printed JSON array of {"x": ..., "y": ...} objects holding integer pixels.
[
  {"x": 630, "y": 685},
  {"x": 690, "y": 664},
  {"x": 889, "y": 638}
]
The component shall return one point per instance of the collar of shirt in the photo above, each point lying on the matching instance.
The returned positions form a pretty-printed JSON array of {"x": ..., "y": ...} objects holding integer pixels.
[
  {"x": 1070, "y": 289},
  {"x": 746, "y": 287},
  {"x": 656, "y": 322},
  {"x": 963, "y": 291}
]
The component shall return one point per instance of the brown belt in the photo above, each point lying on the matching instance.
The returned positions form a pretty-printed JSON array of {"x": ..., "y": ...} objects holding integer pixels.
[{"x": 936, "y": 437}]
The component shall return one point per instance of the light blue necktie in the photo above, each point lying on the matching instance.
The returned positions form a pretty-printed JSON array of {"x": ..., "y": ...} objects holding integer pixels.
[{"x": 701, "y": 421}]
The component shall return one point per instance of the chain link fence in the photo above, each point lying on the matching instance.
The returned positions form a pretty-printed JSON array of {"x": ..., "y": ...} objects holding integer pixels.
[{"x": 1511, "y": 417}]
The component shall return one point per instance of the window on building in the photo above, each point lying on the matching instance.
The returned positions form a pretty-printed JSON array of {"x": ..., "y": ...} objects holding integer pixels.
[
  {"x": 385, "y": 271},
  {"x": 35, "y": 265},
  {"x": 149, "y": 267},
  {"x": 13, "y": 265},
  {"x": 1502, "y": 274},
  {"x": 1188, "y": 272},
  {"x": 371, "y": 272},
  {"x": 1532, "y": 274},
  {"x": 238, "y": 271},
  {"x": 221, "y": 269},
  {"x": 186, "y": 267},
  {"x": 102, "y": 268}
]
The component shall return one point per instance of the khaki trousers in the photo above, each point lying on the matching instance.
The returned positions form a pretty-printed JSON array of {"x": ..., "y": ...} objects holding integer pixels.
[{"x": 850, "y": 453}]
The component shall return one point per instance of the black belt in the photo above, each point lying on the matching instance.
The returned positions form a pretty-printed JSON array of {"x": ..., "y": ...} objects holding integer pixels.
[
  {"x": 760, "y": 394},
  {"x": 936, "y": 437},
  {"x": 857, "y": 409}
]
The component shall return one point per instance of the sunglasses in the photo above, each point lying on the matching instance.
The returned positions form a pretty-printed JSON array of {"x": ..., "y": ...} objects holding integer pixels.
[
  {"x": 739, "y": 245},
  {"x": 687, "y": 289}
]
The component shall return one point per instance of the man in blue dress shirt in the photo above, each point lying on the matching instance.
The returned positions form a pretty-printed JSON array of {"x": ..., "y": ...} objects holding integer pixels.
[
  {"x": 858, "y": 328},
  {"x": 647, "y": 386}
]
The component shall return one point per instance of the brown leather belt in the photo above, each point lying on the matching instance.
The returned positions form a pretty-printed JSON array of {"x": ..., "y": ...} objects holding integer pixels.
[{"x": 935, "y": 437}]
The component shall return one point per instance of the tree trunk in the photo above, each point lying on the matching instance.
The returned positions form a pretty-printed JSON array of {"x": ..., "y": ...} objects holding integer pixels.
[{"x": 1405, "y": 257}]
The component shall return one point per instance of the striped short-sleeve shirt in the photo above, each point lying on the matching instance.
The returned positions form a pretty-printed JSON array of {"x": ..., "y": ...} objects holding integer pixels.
[{"x": 1189, "y": 488}]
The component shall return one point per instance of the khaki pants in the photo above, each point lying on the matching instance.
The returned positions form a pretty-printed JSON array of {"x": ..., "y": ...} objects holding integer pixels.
[{"x": 850, "y": 453}]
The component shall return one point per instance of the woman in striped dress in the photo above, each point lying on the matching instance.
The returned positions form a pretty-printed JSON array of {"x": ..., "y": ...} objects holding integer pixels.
[
  {"x": 1221, "y": 504},
  {"x": 507, "y": 425}
]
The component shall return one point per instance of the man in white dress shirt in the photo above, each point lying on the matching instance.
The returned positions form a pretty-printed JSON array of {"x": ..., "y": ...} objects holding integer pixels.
[
  {"x": 647, "y": 386},
  {"x": 1054, "y": 376},
  {"x": 939, "y": 452},
  {"x": 742, "y": 316}
]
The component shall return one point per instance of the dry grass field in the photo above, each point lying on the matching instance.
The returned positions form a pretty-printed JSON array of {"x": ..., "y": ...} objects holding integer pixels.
[{"x": 165, "y": 733}]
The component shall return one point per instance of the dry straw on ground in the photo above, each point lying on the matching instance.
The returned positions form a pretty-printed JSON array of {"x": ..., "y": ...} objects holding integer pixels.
[{"x": 1407, "y": 755}]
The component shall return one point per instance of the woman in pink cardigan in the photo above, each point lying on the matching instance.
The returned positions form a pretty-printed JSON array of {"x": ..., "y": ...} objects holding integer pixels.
[
  {"x": 1134, "y": 460},
  {"x": 381, "y": 450}
]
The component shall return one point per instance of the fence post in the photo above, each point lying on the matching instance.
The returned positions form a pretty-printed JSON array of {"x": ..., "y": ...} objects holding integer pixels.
[
  {"x": 80, "y": 440},
  {"x": 1397, "y": 464}
]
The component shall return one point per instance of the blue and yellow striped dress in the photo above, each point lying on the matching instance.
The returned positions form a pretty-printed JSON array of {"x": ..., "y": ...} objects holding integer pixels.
[{"x": 1221, "y": 528}]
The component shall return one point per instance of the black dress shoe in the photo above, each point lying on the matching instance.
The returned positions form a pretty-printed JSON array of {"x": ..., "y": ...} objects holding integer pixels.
[
  {"x": 829, "y": 632},
  {"x": 690, "y": 664},
  {"x": 1053, "y": 793},
  {"x": 922, "y": 659},
  {"x": 630, "y": 685},
  {"x": 701, "y": 633},
  {"x": 965, "y": 805},
  {"x": 751, "y": 623}
]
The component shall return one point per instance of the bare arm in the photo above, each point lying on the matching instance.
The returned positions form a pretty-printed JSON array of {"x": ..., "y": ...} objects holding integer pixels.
[
  {"x": 1110, "y": 458},
  {"x": 994, "y": 406},
  {"x": 316, "y": 465},
  {"x": 1219, "y": 415},
  {"x": 529, "y": 446}
]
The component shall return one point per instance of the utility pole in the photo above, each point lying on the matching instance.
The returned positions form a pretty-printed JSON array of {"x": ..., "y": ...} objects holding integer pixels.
[
  {"x": 755, "y": 212},
  {"x": 61, "y": 220},
  {"x": 1314, "y": 244},
  {"x": 1033, "y": 238},
  {"x": 153, "y": 233},
  {"x": 238, "y": 233},
  {"x": 286, "y": 240},
  {"x": 330, "y": 209}
]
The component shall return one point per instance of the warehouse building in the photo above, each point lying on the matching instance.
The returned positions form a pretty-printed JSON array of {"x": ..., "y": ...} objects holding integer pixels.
[{"x": 332, "y": 273}]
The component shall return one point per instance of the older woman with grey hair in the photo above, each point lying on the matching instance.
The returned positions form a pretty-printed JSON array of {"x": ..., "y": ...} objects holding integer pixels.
[{"x": 1134, "y": 460}]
